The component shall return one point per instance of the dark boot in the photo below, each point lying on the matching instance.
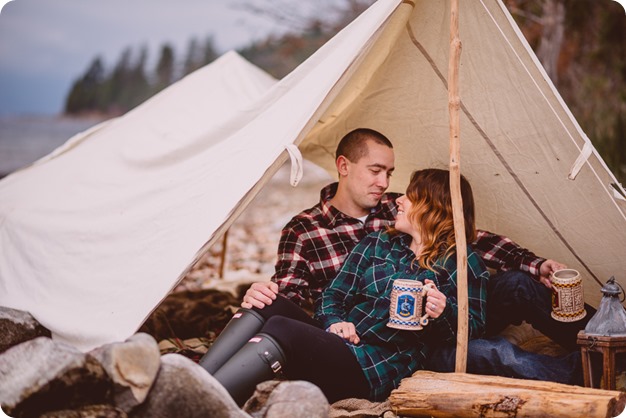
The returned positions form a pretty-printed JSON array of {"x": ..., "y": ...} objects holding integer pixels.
[
  {"x": 244, "y": 325},
  {"x": 257, "y": 361}
]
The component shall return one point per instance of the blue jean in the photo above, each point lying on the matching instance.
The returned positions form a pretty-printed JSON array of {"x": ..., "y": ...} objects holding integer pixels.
[
  {"x": 496, "y": 356},
  {"x": 513, "y": 297}
]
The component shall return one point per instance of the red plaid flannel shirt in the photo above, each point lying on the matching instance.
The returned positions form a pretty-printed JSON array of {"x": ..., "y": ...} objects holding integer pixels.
[{"x": 315, "y": 243}]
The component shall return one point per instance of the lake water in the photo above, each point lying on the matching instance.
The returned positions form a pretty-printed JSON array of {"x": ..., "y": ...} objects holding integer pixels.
[{"x": 25, "y": 139}]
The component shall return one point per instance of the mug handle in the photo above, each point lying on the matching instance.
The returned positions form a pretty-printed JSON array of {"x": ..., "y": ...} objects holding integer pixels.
[{"x": 424, "y": 319}]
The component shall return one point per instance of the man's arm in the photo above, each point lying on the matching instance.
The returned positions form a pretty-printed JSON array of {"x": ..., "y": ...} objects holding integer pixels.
[
  {"x": 292, "y": 276},
  {"x": 502, "y": 254}
]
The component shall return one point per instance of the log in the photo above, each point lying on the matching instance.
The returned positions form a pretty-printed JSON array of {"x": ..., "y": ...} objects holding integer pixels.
[{"x": 465, "y": 395}]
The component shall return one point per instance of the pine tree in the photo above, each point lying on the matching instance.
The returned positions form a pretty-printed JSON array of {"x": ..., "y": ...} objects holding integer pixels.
[
  {"x": 164, "y": 72},
  {"x": 86, "y": 92}
]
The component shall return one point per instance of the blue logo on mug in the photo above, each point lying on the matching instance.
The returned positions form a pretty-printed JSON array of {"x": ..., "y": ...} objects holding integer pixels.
[{"x": 406, "y": 306}]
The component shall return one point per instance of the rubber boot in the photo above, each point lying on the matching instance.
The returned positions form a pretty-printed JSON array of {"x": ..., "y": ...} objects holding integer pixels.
[
  {"x": 259, "y": 360},
  {"x": 244, "y": 325}
]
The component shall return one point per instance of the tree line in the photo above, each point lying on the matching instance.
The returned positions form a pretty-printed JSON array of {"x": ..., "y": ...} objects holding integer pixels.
[
  {"x": 580, "y": 43},
  {"x": 129, "y": 83}
]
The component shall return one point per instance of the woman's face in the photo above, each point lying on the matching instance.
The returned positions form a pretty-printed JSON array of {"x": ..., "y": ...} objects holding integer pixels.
[{"x": 403, "y": 223}]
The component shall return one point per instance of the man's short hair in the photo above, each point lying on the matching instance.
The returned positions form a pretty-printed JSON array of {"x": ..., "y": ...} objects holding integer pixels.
[{"x": 352, "y": 145}]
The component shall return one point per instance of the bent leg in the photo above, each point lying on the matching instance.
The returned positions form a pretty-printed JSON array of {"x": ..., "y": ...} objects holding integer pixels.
[
  {"x": 496, "y": 356},
  {"x": 245, "y": 324},
  {"x": 514, "y": 296},
  {"x": 319, "y": 357}
]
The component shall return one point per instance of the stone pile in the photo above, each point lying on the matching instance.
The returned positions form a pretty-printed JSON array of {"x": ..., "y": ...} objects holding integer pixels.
[{"x": 41, "y": 377}]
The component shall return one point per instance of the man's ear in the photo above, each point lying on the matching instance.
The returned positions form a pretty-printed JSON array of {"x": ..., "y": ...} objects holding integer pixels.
[{"x": 342, "y": 165}]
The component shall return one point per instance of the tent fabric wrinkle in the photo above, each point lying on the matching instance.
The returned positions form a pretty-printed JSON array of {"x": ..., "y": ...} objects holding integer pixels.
[{"x": 96, "y": 234}]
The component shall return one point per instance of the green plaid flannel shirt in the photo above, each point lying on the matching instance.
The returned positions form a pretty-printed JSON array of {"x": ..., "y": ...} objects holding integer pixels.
[{"x": 361, "y": 294}]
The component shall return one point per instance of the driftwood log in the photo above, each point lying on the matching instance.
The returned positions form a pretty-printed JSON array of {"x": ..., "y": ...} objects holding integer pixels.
[{"x": 465, "y": 395}]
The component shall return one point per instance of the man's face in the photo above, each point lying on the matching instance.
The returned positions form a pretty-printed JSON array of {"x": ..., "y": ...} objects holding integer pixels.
[{"x": 368, "y": 178}]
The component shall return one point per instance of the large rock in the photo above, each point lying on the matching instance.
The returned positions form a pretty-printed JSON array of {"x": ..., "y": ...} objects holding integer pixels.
[
  {"x": 286, "y": 399},
  {"x": 42, "y": 375},
  {"x": 17, "y": 327},
  {"x": 184, "y": 389},
  {"x": 133, "y": 366}
]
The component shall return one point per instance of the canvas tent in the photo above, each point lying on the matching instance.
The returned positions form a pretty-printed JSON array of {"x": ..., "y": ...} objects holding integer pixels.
[
  {"x": 69, "y": 231},
  {"x": 89, "y": 232}
]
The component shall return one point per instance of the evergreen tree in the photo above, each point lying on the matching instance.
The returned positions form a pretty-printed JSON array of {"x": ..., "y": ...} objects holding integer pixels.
[
  {"x": 115, "y": 88},
  {"x": 86, "y": 92},
  {"x": 210, "y": 53},
  {"x": 194, "y": 59},
  {"x": 164, "y": 72},
  {"x": 139, "y": 88}
]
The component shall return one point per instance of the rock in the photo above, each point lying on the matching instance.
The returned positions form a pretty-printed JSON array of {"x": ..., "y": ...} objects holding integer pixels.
[
  {"x": 42, "y": 375},
  {"x": 133, "y": 366},
  {"x": 90, "y": 411},
  {"x": 184, "y": 389},
  {"x": 286, "y": 399},
  {"x": 17, "y": 327}
]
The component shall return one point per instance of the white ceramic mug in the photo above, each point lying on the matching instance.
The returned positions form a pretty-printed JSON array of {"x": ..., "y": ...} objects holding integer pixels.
[{"x": 407, "y": 301}]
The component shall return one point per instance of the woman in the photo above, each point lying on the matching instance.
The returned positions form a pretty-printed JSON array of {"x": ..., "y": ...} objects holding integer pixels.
[{"x": 348, "y": 350}]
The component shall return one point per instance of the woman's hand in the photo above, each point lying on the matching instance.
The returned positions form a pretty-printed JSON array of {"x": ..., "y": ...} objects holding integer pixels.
[
  {"x": 345, "y": 330},
  {"x": 435, "y": 301}
]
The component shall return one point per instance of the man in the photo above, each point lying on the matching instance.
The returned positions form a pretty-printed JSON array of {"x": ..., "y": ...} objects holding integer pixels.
[{"x": 315, "y": 243}]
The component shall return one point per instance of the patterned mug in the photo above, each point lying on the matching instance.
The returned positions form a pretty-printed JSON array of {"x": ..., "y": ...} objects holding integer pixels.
[
  {"x": 407, "y": 302},
  {"x": 568, "y": 299}
]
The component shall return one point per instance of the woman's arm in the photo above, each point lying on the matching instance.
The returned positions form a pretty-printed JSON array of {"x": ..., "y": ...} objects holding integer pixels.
[{"x": 338, "y": 297}]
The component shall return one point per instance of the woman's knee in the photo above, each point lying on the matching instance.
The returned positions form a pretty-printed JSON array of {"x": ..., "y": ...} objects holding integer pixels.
[{"x": 281, "y": 328}]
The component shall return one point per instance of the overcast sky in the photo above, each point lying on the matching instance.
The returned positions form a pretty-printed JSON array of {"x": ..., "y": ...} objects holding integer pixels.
[{"x": 46, "y": 44}]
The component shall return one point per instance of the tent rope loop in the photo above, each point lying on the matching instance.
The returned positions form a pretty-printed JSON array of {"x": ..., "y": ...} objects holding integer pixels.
[{"x": 297, "y": 169}]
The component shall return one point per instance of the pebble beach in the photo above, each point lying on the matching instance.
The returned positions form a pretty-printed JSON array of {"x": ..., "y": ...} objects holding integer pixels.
[{"x": 252, "y": 240}]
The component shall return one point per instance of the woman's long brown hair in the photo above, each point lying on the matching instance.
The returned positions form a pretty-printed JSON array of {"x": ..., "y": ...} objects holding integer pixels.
[{"x": 429, "y": 192}]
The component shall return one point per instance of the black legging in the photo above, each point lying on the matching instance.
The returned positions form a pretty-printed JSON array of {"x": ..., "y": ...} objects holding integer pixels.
[{"x": 312, "y": 353}]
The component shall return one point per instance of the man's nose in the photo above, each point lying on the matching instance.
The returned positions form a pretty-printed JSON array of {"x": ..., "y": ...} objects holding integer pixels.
[{"x": 383, "y": 181}]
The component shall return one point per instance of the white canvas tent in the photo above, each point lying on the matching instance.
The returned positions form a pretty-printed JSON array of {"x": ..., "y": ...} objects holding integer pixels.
[
  {"x": 90, "y": 233},
  {"x": 90, "y": 252}
]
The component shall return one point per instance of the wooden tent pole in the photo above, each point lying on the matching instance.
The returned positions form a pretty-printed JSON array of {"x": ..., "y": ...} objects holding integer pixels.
[
  {"x": 455, "y": 188},
  {"x": 223, "y": 254}
]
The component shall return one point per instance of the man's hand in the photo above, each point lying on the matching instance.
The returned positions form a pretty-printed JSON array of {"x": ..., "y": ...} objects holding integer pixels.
[
  {"x": 259, "y": 295},
  {"x": 547, "y": 268},
  {"x": 345, "y": 330}
]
